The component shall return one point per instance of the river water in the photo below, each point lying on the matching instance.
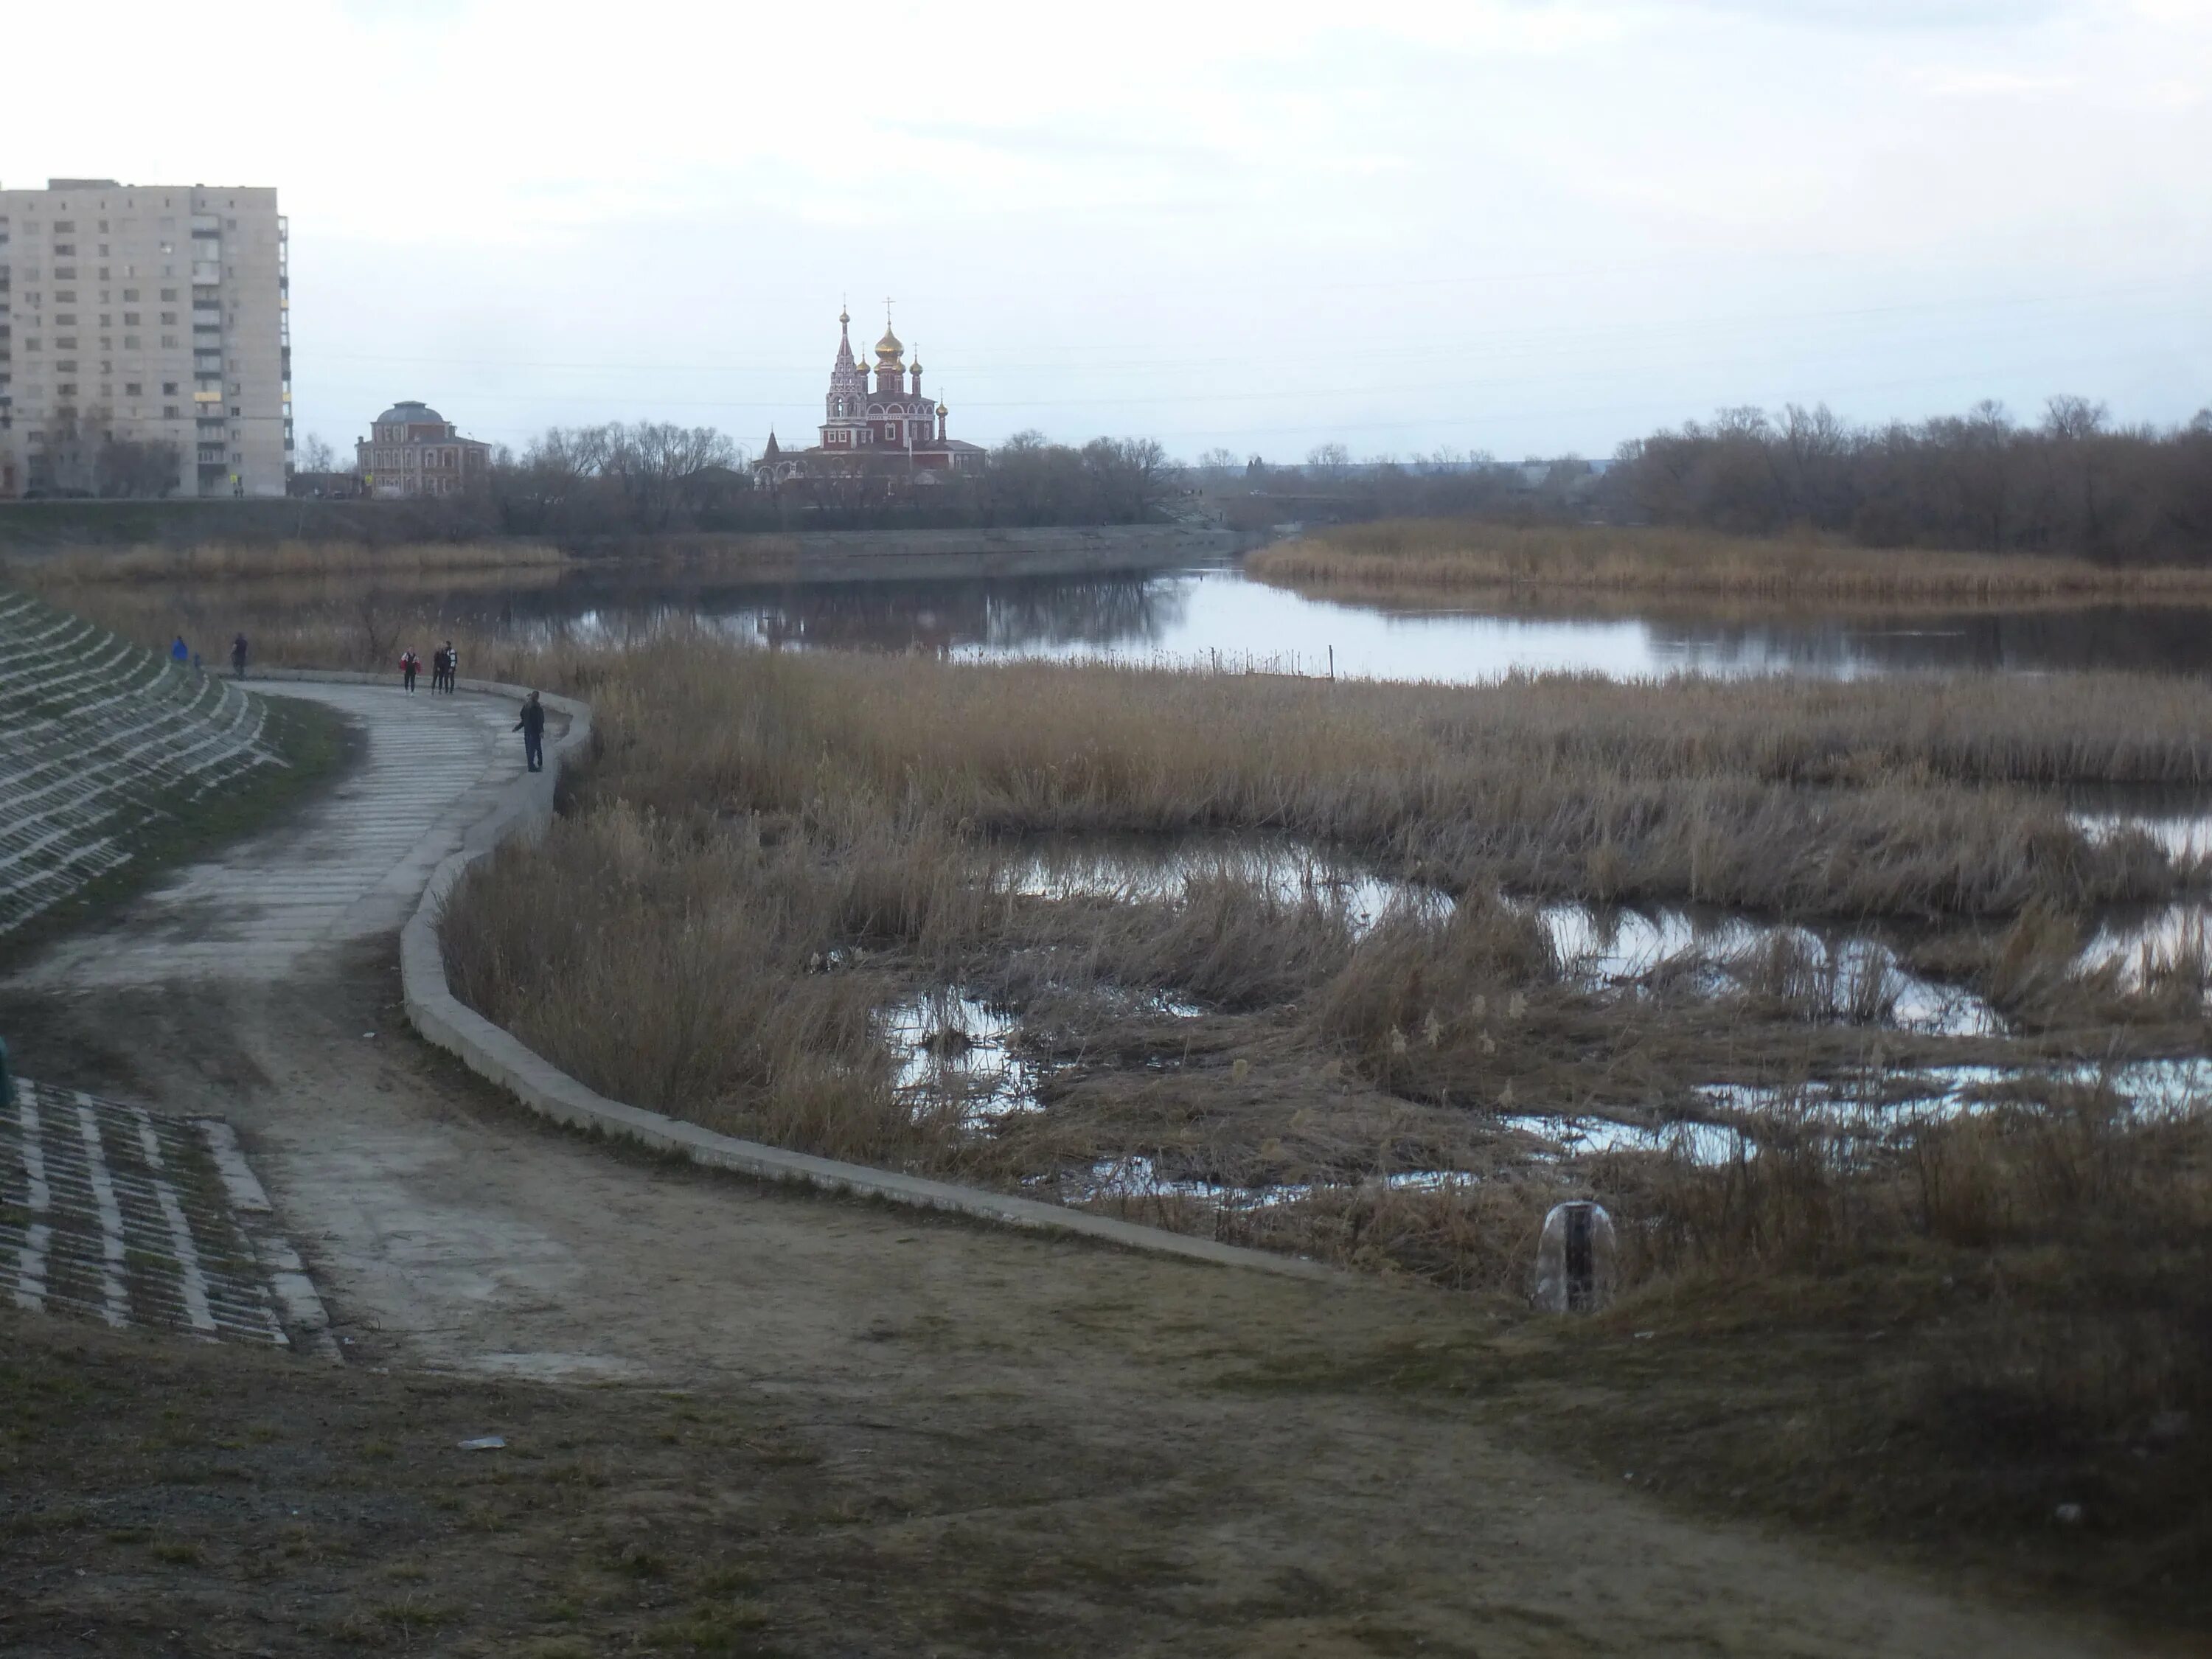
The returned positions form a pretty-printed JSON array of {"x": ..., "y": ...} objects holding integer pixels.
[{"x": 1214, "y": 616}]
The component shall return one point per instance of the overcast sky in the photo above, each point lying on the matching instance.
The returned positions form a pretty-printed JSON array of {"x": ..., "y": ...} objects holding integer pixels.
[{"x": 1524, "y": 227}]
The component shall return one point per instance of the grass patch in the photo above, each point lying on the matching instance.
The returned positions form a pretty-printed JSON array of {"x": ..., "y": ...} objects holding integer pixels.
[{"x": 1444, "y": 559}]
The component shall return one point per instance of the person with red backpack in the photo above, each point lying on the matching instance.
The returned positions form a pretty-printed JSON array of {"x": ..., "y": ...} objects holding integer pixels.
[{"x": 409, "y": 665}]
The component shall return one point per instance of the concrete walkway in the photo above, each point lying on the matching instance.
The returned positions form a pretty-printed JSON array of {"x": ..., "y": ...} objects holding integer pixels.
[{"x": 351, "y": 867}]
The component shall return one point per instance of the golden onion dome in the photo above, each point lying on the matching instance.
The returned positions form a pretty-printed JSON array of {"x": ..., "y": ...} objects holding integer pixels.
[
  {"x": 889, "y": 346},
  {"x": 942, "y": 410}
]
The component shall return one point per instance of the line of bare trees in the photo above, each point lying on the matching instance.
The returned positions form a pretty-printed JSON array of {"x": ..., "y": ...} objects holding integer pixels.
[
  {"x": 2071, "y": 483},
  {"x": 645, "y": 476},
  {"x": 650, "y": 477},
  {"x": 82, "y": 456}
]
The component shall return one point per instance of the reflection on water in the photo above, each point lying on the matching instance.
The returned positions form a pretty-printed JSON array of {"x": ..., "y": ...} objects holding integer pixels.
[{"x": 1214, "y": 617}]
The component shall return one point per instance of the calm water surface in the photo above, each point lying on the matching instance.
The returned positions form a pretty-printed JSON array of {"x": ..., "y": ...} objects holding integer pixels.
[{"x": 1216, "y": 617}]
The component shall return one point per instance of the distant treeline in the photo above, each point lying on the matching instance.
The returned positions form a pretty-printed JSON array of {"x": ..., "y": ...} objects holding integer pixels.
[
  {"x": 650, "y": 477},
  {"x": 2072, "y": 484}
]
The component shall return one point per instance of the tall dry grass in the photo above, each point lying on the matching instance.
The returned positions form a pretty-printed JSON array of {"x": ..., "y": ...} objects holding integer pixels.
[
  {"x": 1416, "y": 559},
  {"x": 768, "y": 847},
  {"x": 78, "y": 568},
  {"x": 1897, "y": 798}
]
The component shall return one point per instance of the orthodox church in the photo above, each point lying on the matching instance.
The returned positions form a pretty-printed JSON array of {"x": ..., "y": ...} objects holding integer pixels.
[{"x": 889, "y": 429}]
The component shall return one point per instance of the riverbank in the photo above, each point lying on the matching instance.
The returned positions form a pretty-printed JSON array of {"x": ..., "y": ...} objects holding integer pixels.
[
  {"x": 828, "y": 557},
  {"x": 1434, "y": 561}
]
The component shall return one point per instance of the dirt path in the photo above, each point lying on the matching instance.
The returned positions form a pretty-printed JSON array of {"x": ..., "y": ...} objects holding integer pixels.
[{"x": 448, "y": 1231}]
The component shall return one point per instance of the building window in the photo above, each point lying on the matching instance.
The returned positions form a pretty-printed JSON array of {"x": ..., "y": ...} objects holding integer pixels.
[{"x": 132, "y": 389}]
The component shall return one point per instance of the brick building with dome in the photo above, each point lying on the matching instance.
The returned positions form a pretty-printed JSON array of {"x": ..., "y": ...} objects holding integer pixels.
[
  {"x": 413, "y": 450},
  {"x": 891, "y": 430}
]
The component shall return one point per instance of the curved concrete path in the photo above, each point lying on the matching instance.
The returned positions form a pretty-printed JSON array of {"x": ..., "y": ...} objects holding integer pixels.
[
  {"x": 350, "y": 866},
  {"x": 450, "y": 1229}
]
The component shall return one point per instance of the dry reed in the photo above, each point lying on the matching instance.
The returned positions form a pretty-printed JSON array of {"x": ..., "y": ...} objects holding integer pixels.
[
  {"x": 229, "y": 562},
  {"x": 1417, "y": 559},
  {"x": 771, "y": 849}
]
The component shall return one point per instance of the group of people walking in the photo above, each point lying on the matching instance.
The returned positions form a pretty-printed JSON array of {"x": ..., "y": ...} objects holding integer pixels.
[
  {"x": 445, "y": 668},
  {"x": 182, "y": 655},
  {"x": 444, "y": 663}
]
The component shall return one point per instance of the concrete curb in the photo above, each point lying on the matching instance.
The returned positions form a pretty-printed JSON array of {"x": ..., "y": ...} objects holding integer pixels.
[{"x": 494, "y": 1053}]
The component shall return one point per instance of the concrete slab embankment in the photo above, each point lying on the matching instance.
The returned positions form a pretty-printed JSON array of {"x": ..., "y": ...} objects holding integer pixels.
[
  {"x": 100, "y": 742},
  {"x": 525, "y": 809}
]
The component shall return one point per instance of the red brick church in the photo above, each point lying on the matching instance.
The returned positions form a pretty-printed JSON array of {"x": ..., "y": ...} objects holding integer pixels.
[{"x": 890, "y": 430}]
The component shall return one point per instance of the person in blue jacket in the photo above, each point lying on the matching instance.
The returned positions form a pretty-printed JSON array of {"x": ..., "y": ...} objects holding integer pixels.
[{"x": 177, "y": 652}]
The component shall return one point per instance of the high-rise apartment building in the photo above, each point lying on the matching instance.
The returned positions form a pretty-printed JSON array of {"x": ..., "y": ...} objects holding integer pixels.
[{"x": 144, "y": 327}]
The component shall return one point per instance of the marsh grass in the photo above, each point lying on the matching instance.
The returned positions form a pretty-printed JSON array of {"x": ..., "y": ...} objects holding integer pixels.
[
  {"x": 1417, "y": 559},
  {"x": 772, "y": 849},
  {"x": 150, "y": 564}
]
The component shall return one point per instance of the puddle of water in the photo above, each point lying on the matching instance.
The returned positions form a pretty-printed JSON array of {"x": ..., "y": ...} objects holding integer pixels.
[
  {"x": 953, "y": 1048},
  {"x": 2186, "y": 836},
  {"x": 1856, "y": 978},
  {"x": 2154, "y": 1088},
  {"x": 1139, "y": 1177},
  {"x": 1588, "y": 1137},
  {"x": 1288, "y": 872},
  {"x": 1599, "y": 946},
  {"x": 2175, "y": 937}
]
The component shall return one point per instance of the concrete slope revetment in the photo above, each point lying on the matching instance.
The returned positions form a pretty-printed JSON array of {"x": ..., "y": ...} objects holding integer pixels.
[{"x": 102, "y": 740}]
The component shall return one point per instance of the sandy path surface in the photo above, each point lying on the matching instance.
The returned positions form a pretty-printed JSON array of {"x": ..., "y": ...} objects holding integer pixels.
[{"x": 448, "y": 1230}]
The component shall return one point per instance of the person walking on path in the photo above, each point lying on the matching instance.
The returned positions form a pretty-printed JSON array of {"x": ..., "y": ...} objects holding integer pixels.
[
  {"x": 238, "y": 658},
  {"x": 533, "y": 727},
  {"x": 180, "y": 653},
  {"x": 452, "y": 663},
  {"x": 438, "y": 668},
  {"x": 409, "y": 663}
]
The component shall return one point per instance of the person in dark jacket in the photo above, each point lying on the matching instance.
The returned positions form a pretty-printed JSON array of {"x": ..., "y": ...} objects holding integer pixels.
[
  {"x": 238, "y": 658},
  {"x": 408, "y": 664},
  {"x": 533, "y": 727}
]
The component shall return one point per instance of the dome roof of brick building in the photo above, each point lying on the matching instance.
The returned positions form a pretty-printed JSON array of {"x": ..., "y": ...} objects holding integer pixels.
[{"x": 409, "y": 414}]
